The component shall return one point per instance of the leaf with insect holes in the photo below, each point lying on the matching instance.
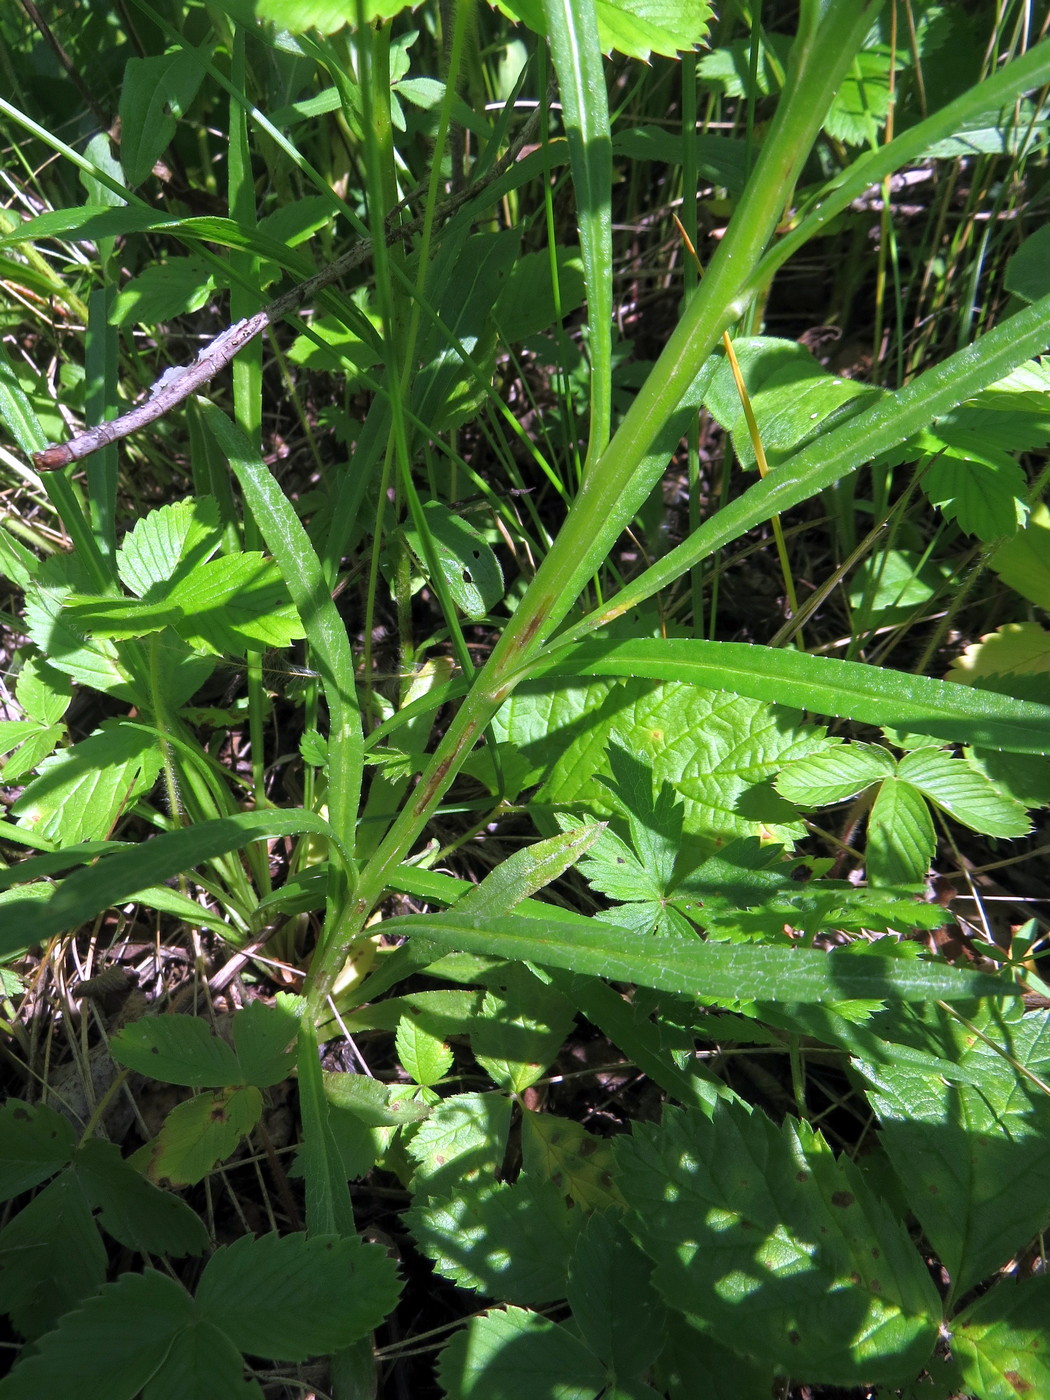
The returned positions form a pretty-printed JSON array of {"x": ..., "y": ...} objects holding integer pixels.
[
  {"x": 79, "y": 792},
  {"x": 134, "y": 1211},
  {"x": 466, "y": 560},
  {"x": 177, "y": 1049},
  {"x": 200, "y": 1133},
  {"x": 155, "y": 95},
  {"x": 735, "y": 1211},
  {"x": 35, "y": 1142},
  {"x": 953, "y": 1145}
]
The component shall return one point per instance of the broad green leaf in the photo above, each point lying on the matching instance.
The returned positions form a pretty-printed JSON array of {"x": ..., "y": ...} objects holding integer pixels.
[
  {"x": 468, "y": 565},
  {"x": 33, "y": 746},
  {"x": 42, "y": 691},
  {"x": 177, "y": 1049},
  {"x": 156, "y": 93},
  {"x": 974, "y": 483},
  {"x": 203, "y": 1362},
  {"x": 1024, "y": 778},
  {"x": 110, "y": 1347},
  {"x": 963, "y": 792},
  {"x": 999, "y": 1342},
  {"x": 440, "y": 1014},
  {"x": 506, "y": 1353},
  {"x": 160, "y": 541},
  {"x": 89, "y": 891},
  {"x": 262, "y": 1035},
  {"x": 164, "y": 290},
  {"x": 894, "y": 586},
  {"x": 638, "y": 28},
  {"x": 425, "y": 1058},
  {"x": 717, "y": 753},
  {"x": 35, "y": 1142},
  {"x": 845, "y": 689},
  {"x": 738, "y": 1214},
  {"x": 202, "y": 1132},
  {"x": 901, "y": 838},
  {"x": 233, "y": 602},
  {"x": 81, "y": 791},
  {"x": 1013, "y": 653},
  {"x": 720, "y": 159},
  {"x": 791, "y": 396},
  {"x": 730, "y": 67},
  {"x": 51, "y": 1257},
  {"x": 527, "y": 305},
  {"x": 522, "y": 1026},
  {"x": 613, "y": 1303},
  {"x": 373, "y": 1103},
  {"x": 970, "y": 1157},
  {"x": 294, "y": 1297},
  {"x": 1023, "y": 562},
  {"x": 134, "y": 1211},
  {"x": 511, "y": 1242},
  {"x": 326, "y": 16},
  {"x": 1026, "y": 272},
  {"x": 563, "y": 1152},
  {"x": 836, "y": 775},
  {"x": 695, "y": 1363},
  {"x": 709, "y": 970},
  {"x": 464, "y": 282},
  {"x": 464, "y": 1139},
  {"x": 121, "y": 618}
]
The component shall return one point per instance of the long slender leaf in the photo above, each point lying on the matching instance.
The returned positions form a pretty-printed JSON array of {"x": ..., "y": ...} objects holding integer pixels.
[
  {"x": 829, "y": 458},
  {"x": 700, "y": 969},
  {"x": 290, "y": 545},
  {"x": 89, "y": 891},
  {"x": 845, "y": 689},
  {"x": 572, "y": 27}
]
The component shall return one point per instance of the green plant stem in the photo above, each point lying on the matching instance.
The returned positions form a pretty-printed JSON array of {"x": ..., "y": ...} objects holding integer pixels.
[{"x": 615, "y": 489}]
